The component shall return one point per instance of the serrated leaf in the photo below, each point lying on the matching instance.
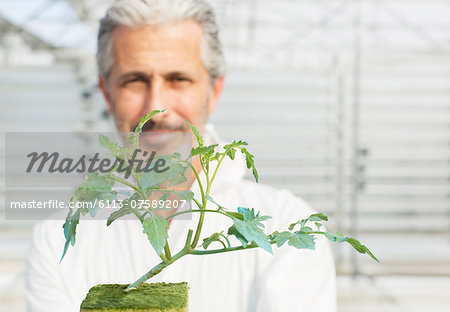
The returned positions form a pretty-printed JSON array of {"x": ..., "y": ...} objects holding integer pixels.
[
  {"x": 153, "y": 179},
  {"x": 231, "y": 153},
  {"x": 106, "y": 142},
  {"x": 105, "y": 197},
  {"x": 97, "y": 182},
  {"x": 197, "y": 134},
  {"x": 215, "y": 157},
  {"x": 235, "y": 144},
  {"x": 156, "y": 229},
  {"x": 70, "y": 228},
  {"x": 250, "y": 162},
  {"x": 249, "y": 215},
  {"x": 282, "y": 238},
  {"x": 302, "y": 241},
  {"x": 202, "y": 150},
  {"x": 176, "y": 173},
  {"x": 186, "y": 195},
  {"x": 252, "y": 233},
  {"x": 134, "y": 135},
  {"x": 125, "y": 210},
  {"x": 360, "y": 248}
]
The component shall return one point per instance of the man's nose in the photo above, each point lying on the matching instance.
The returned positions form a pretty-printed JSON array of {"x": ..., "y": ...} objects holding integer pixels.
[{"x": 156, "y": 96}]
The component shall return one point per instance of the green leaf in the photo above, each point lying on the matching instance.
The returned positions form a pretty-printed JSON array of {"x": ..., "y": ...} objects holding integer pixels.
[
  {"x": 70, "y": 228},
  {"x": 249, "y": 215},
  {"x": 197, "y": 134},
  {"x": 313, "y": 217},
  {"x": 282, "y": 238},
  {"x": 302, "y": 241},
  {"x": 186, "y": 195},
  {"x": 252, "y": 233},
  {"x": 105, "y": 197},
  {"x": 156, "y": 229},
  {"x": 318, "y": 217},
  {"x": 233, "y": 231},
  {"x": 361, "y": 248},
  {"x": 231, "y": 153},
  {"x": 166, "y": 195},
  {"x": 125, "y": 210},
  {"x": 213, "y": 238},
  {"x": 153, "y": 179},
  {"x": 216, "y": 156},
  {"x": 250, "y": 162},
  {"x": 335, "y": 237},
  {"x": 97, "y": 182},
  {"x": 235, "y": 144},
  {"x": 212, "y": 200},
  {"x": 176, "y": 173},
  {"x": 306, "y": 229},
  {"x": 94, "y": 189},
  {"x": 108, "y": 144},
  {"x": 202, "y": 150},
  {"x": 233, "y": 214},
  {"x": 134, "y": 135},
  {"x": 319, "y": 225}
]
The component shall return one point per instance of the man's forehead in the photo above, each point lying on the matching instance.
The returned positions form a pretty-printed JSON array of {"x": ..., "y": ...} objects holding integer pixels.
[
  {"x": 175, "y": 44},
  {"x": 184, "y": 34}
]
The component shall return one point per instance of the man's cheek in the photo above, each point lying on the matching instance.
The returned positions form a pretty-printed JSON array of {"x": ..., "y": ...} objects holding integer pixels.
[{"x": 188, "y": 101}]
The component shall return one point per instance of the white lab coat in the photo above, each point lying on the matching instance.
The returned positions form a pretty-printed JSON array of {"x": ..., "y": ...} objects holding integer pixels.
[{"x": 248, "y": 280}]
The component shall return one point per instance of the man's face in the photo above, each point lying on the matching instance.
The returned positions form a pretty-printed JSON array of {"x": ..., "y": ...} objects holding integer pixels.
[{"x": 158, "y": 67}]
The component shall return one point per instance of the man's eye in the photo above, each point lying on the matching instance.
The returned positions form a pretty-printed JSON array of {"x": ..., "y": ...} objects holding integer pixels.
[
  {"x": 137, "y": 79},
  {"x": 179, "y": 79}
]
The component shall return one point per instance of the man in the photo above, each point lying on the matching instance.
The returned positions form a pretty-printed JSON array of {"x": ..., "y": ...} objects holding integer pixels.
[{"x": 166, "y": 54}]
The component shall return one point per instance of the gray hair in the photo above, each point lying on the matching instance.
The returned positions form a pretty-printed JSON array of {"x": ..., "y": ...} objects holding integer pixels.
[{"x": 136, "y": 13}]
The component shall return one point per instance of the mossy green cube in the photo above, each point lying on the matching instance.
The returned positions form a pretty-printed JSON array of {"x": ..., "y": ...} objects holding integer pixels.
[{"x": 155, "y": 297}]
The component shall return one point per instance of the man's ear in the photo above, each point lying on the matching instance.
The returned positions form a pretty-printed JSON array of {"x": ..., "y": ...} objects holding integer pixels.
[
  {"x": 103, "y": 85},
  {"x": 215, "y": 94}
]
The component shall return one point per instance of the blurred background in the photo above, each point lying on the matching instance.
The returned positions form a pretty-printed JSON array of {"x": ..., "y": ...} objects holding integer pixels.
[{"x": 345, "y": 103}]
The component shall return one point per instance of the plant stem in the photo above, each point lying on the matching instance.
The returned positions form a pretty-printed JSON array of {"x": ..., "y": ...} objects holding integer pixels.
[
  {"x": 198, "y": 204},
  {"x": 217, "y": 167},
  {"x": 167, "y": 251},
  {"x": 195, "y": 210},
  {"x": 158, "y": 268},
  {"x": 197, "y": 177},
  {"x": 187, "y": 250},
  {"x": 123, "y": 181},
  {"x": 226, "y": 238},
  {"x": 203, "y": 207},
  {"x": 216, "y": 251}
]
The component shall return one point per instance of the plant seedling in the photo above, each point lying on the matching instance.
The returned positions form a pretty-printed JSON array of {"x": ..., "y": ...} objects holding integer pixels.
[{"x": 247, "y": 228}]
